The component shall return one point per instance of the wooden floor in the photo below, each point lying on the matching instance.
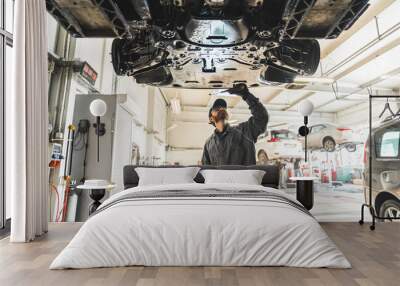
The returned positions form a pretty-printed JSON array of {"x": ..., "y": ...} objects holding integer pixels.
[{"x": 375, "y": 257}]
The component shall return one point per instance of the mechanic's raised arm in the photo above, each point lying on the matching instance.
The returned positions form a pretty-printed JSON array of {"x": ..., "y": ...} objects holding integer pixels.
[{"x": 257, "y": 123}]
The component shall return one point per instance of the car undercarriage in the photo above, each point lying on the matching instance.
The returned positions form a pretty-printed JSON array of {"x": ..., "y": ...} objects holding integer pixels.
[{"x": 210, "y": 43}]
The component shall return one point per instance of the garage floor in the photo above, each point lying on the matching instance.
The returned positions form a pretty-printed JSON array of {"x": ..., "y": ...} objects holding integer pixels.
[
  {"x": 333, "y": 204},
  {"x": 374, "y": 255}
]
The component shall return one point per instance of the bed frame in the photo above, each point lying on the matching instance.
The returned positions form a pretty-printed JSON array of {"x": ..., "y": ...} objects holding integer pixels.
[{"x": 270, "y": 179}]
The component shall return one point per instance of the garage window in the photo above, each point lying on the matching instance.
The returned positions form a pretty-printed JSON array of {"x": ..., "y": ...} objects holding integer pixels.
[{"x": 388, "y": 145}]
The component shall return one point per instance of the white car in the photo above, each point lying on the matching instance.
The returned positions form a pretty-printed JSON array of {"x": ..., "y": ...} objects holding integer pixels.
[
  {"x": 279, "y": 144},
  {"x": 328, "y": 136}
]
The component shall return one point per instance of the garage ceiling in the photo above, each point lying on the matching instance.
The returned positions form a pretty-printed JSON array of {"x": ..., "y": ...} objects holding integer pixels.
[{"x": 364, "y": 57}]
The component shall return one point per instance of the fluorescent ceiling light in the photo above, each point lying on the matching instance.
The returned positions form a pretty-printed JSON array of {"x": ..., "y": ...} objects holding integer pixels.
[
  {"x": 302, "y": 79},
  {"x": 389, "y": 75},
  {"x": 176, "y": 105},
  {"x": 221, "y": 93}
]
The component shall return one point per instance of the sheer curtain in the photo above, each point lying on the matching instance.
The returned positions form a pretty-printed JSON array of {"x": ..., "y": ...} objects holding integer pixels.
[{"x": 27, "y": 122}]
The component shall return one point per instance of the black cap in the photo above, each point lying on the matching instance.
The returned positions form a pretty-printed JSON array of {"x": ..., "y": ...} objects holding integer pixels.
[{"x": 218, "y": 103}]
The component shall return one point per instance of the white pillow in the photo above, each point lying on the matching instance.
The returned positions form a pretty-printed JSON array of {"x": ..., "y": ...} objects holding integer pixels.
[
  {"x": 248, "y": 177},
  {"x": 166, "y": 176}
]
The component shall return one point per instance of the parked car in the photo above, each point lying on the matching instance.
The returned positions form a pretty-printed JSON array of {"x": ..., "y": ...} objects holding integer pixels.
[
  {"x": 385, "y": 168},
  {"x": 210, "y": 43},
  {"x": 280, "y": 144},
  {"x": 329, "y": 137}
]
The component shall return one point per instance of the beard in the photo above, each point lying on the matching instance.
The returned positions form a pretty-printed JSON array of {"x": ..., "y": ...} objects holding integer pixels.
[{"x": 221, "y": 115}]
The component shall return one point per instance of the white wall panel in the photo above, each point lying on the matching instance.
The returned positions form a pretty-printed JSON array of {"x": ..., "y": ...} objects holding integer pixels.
[
  {"x": 91, "y": 51},
  {"x": 138, "y": 93},
  {"x": 184, "y": 157},
  {"x": 51, "y": 33},
  {"x": 366, "y": 35},
  {"x": 189, "y": 134},
  {"x": 107, "y": 70},
  {"x": 376, "y": 67}
]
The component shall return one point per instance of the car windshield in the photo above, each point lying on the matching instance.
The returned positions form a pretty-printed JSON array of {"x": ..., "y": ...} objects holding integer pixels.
[{"x": 282, "y": 135}]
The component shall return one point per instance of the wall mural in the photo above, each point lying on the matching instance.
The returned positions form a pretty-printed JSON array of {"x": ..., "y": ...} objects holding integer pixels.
[
  {"x": 131, "y": 132},
  {"x": 181, "y": 112}
]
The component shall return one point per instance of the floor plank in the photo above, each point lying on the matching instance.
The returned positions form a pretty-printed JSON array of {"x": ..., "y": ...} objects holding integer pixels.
[{"x": 375, "y": 257}]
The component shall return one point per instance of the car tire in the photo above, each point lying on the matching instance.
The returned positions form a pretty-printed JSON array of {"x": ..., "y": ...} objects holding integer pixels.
[
  {"x": 275, "y": 76},
  {"x": 299, "y": 54},
  {"x": 129, "y": 55},
  {"x": 329, "y": 144},
  {"x": 351, "y": 147},
  {"x": 116, "y": 56},
  {"x": 390, "y": 208}
]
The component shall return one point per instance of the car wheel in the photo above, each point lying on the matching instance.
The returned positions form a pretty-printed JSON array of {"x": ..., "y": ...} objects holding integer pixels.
[
  {"x": 116, "y": 56},
  {"x": 129, "y": 55},
  {"x": 390, "y": 209},
  {"x": 273, "y": 75},
  {"x": 329, "y": 144},
  {"x": 299, "y": 54},
  {"x": 351, "y": 147}
]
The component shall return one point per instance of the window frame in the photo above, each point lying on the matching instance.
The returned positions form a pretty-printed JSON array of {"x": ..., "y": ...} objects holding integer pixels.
[
  {"x": 6, "y": 39},
  {"x": 378, "y": 138}
]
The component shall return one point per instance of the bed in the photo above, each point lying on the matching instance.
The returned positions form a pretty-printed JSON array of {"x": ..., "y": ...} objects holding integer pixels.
[{"x": 201, "y": 224}]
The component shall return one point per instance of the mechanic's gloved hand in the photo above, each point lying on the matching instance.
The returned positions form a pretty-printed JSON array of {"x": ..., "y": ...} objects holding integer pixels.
[{"x": 240, "y": 89}]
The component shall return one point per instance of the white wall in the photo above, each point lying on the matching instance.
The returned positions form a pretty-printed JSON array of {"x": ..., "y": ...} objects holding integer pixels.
[
  {"x": 94, "y": 169},
  {"x": 150, "y": 118},
  {"x": 147, "y": 102},
  {"x": 186, "y": 142},
  {"x": 358, "y": 116},
  {"x": 189, "y": 134},
  {"x": 51, "y": 33},
  {"x": 122, "y": 146},
  {"x": 189, "y": 130},
  {"x": 184, "y": 157},
  {"x": 151, "y": 139},
  {"x": 97, "y": 53},
  {"x": 159, "y": 127}
]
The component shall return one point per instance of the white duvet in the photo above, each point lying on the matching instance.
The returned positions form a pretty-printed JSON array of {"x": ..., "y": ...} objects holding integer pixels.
[{"x": 191, "y": 231}]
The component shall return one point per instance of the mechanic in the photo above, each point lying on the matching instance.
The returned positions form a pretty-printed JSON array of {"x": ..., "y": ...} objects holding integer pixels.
[{"x": 234, "y": 145}]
